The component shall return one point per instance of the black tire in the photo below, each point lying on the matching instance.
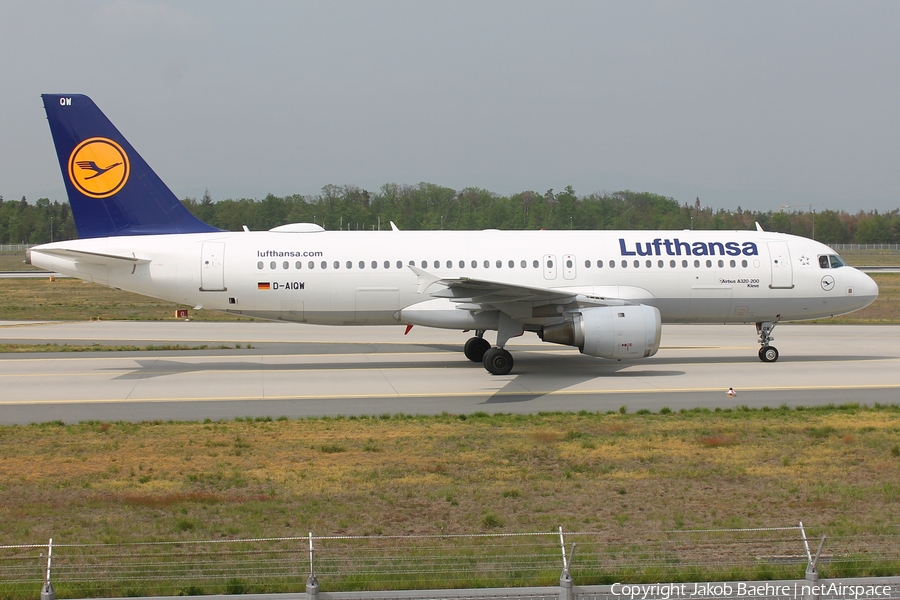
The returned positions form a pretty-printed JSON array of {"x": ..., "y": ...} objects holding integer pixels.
[
  {"x": 498, "y": 361},
  {"x": 475, "y": 348},
  {"x": 768, "y": 354}
]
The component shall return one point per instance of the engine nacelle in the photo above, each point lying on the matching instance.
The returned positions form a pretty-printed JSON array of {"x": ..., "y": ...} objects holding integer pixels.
[{"x": 617, "y": 332}]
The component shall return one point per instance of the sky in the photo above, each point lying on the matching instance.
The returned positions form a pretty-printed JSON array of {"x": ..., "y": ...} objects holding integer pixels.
[{"x": 762, "y": 105}]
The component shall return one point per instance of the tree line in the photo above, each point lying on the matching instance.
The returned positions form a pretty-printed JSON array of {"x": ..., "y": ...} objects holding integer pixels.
[{"x": 429, "y": 206}]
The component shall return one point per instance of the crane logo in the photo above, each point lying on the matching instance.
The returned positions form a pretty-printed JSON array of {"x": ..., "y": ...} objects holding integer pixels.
[{"x": 98, "y": 167}]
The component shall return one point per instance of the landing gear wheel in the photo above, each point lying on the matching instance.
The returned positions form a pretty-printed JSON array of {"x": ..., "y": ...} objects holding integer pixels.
[
  {"x": 768, "y": 354},
  {"x": 475, "y": 348},
  {"x": 498, "y": 361}
]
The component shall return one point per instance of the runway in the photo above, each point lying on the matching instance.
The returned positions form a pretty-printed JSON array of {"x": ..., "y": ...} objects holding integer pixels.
[{"x": 301, "y": 371}]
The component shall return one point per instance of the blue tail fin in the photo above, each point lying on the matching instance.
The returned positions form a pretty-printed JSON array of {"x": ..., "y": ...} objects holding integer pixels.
[{"x": 111, "y": 189}]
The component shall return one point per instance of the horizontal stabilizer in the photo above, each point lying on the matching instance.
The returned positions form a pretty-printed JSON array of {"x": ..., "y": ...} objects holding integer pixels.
[{"x": 95, "y": 258}]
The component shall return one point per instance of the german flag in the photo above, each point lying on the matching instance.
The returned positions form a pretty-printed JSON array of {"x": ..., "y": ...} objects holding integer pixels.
[{"x": 263, "y": 285}]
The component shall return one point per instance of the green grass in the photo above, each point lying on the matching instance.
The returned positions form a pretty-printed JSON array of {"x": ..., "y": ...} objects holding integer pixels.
[
  {"x": 628, "y": 477},
  {"x": 74, "y": 300}
]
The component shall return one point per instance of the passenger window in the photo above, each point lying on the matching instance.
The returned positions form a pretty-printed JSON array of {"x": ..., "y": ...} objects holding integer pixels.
[
  {"x": 474, "y": 264},
  {"x": 672, "y": 264},
  {"x": 744, "y": 263},
  {"x": 599, "y": 264},
  {"x": 399, "y": 264},
  {"x": 732, "y": 263},
  {"x": 684, "y": 264},
  {"x": 259, "y": 265},
  {"x": 512, "y": 264},
  {"x": 387, "y": 264},
  {"x": 499, "y": 263},
  {"x": 523, "y": 264},
  {"x": 337, "y": 265},
  {"x": 569, "y": 263},
  {"x": 612, "y": 264},
  {"x": 549, "y": 264},
  {"x": 449, "y": 264},
  {"x": 272, "y": 265},
  {"x": 649, "y": 264},
  {"x": 721, "y": 263},
  {"x": 535, "y": 264},
  {"x": 696, "y": 264},
  {"x": 624, "y": 263},
  {"x": 299, "y": 265},
  {"x": 487, "y": 264},
  {"x": 587, "y": 264},
  {"x": 462, "y": 264},
  {"x": 708, "y": 264},
  {"x": 286, "y": 265},
  {"x": 424, "y": 264},
  {"x": 311, "y": 265},
  {"x": 324, "y": 265},
  {"x": 637, "y": 264},
  {"x": 823, "y": 262}
]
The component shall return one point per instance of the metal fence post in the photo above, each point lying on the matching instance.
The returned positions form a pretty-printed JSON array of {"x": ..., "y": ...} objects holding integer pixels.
[
  {"x": 312, "y": 583},
  {"x": 565, "y": 579},
  {"x": 47, "y": 592},
  {"x": 812, "y": 571}
]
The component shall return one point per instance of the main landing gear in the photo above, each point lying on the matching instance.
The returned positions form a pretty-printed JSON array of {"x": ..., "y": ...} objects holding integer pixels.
[
  {"x": 497, "y": 361},
  {"x": 767, "y": 353},
  {"x": 476, "y": 347}
]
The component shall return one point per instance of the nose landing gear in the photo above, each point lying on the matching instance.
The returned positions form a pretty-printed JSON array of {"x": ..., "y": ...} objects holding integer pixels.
[{"x": 767, "y": 353}]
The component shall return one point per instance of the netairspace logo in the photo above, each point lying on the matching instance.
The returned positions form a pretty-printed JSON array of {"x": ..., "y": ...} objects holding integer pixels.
[{"x": 770, "y": 591}]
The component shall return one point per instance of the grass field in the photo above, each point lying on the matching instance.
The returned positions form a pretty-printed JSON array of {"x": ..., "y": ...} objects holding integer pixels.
[{"x": 630, "y": 475}]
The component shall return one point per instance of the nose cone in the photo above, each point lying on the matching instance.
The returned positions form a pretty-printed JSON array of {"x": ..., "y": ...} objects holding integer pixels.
[{"x": 866, "y": 289}]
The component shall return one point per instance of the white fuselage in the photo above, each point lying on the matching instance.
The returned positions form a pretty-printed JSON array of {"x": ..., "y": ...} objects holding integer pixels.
[{"x": 336, "y": 277}]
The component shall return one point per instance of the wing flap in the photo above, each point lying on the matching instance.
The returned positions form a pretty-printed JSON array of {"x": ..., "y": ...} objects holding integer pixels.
[{"x": 517, "y": 301}]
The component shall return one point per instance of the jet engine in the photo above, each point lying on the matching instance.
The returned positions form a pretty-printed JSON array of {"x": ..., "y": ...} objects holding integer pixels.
[{"x": 617, "y": 332}]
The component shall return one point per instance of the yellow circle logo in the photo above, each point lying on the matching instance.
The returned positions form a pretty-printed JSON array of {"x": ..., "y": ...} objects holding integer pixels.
[{"x": 98, "y": 167}]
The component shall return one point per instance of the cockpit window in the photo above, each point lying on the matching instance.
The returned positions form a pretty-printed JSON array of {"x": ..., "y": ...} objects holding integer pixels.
[{"x": 830, "y": 261}]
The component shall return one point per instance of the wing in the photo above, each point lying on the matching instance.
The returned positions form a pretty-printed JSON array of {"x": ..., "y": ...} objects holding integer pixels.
[{"x": 523, "y": 303}]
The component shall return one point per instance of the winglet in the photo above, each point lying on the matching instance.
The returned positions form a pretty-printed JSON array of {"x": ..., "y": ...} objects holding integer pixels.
[
  {"x": 394, "y": 227},
  {"x": 759, "y": 227}
]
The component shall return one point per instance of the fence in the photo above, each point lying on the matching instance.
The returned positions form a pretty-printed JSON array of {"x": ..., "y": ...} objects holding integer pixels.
[
  {"x": 15, "y": 247},
  {"x": 416, "y": 562},
  {"x": 840, "y": 247}
]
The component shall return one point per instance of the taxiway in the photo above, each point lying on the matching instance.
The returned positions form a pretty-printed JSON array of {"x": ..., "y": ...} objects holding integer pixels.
[{"x": 299, "y": 371}]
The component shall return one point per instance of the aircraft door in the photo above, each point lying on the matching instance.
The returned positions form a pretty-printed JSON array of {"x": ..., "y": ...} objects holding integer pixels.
[
  {"x": 568, "y": 266},
  {"x": 549, "y": 266},
  {"x": 780, "y": 261},
  {"x": 212, "y": 267}
]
